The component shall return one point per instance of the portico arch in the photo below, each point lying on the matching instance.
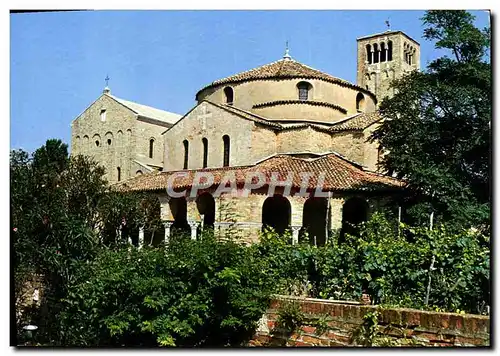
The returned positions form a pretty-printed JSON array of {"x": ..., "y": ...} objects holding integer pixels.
[
  {"x": 354, "y": 212},
  {"x": 316, "y": 219},
  {"x": 205, "y": 203},
  {"x": 276, "y": 213},
  {"x": 178, "y": 207}
]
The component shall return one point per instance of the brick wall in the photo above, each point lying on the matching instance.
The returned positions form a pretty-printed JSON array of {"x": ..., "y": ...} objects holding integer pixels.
[{"x": 397, "y": 326}]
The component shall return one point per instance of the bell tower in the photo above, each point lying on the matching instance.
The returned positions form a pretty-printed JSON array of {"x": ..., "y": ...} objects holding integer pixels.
[{"x": 384, "y": 57}]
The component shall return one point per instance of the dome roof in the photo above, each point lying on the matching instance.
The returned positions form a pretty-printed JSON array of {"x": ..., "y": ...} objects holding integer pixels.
[{"x": 285, "y": 68}]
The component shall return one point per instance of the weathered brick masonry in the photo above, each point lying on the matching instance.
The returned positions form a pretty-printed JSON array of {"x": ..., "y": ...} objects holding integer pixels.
[{"x": 401, "y": 326}]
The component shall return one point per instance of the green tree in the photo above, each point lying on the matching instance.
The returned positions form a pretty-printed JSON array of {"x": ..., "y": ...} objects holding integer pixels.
[
  {"x": 436, "y": 131},
  {"x": 53, "y": 216}
]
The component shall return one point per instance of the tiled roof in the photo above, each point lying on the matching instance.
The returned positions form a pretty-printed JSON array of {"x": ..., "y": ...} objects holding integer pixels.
[
  {"x": 148, "y": 111},
  {"x": 246, "y": 114},
  {"x": 339, "y": 175},
  {"x": 357, "y": 122},
  {"x": 284, "y": 68},
  {"x": 301, "y": 102},
  {"x": 386, "y": 33}
]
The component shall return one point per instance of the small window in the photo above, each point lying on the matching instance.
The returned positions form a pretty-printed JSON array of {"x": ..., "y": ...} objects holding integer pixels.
[
  {"x": 376, "y": 53},
  {"x": 109, "y": 142},
  {"x": 229, "y": 94},
  {"x": 119, "y": 173},
  {"x": 103, "y": 115},
  {"x": 138, "y": 173},
  {"x": 226, "y": 140},
  {"x": 304, "y": 88},
  {"x": 383, "y": 52},
  {"x": 186, "y": 152},
  {"x": 205, "y": 152},
  {"x": 97, "y": 143},
  {"x": 360, "y": 102},
  {"x": 151, "y": 147}
]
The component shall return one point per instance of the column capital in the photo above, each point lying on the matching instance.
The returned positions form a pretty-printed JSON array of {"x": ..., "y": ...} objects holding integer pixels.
[
  {"x": 167, "y": 223},
  {"x": 193, "y": 223},
  {"x": 295, "y": 227}
]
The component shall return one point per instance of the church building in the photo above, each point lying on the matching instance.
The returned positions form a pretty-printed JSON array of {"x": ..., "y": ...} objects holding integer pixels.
[{"x": 278, "y": 121}]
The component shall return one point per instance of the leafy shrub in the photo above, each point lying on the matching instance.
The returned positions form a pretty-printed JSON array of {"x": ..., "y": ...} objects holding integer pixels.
[
  {"x": 393, "y": 266},
  {"x": 193, "y": 293}
]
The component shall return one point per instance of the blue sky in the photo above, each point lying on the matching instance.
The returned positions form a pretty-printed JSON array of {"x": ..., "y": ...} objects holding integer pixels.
[{"x": 162, "y": 58}]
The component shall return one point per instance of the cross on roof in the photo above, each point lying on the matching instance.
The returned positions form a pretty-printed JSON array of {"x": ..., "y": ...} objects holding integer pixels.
[
  {"x": 287, "y": 52},
  {"x": 106, "y": 79}
]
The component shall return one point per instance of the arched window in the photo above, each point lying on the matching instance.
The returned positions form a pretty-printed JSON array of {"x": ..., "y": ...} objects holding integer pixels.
[
  {"x": 369, "y": 53},
  {"x": 205, "y": 152},
  {"x": 118, "y": 173},
  {"x": 151, "y": 147},
  {"x": 77, "y": 143},
  {"x": 304, "y": 88},
  {"x": 360, "y": 102},
  {"x": 375, "y": 53},
  {"x": 226, "y": 140},
  {"x": 383, "y": 52},
  {"x": 186, "y": 152},
  {"x": 86, "y": 143},
  {"x": 97, "y": 139},
  {"x": 229, "y": 94},
  {"x": 138, "y": 173},
  {"x": 389, "y": 51}
]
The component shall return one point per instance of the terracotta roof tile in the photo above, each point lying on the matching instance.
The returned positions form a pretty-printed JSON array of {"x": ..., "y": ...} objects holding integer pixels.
[
  {"x": 340, "y": 175},
  {"x": 357, "y": 122},
  {"x": 284, "y": 68},
  {"x": 246, "y": 114}
]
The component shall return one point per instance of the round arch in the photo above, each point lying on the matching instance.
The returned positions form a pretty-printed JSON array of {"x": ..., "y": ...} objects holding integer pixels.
[
  {"x": 354, "y": 212},
  {"x": 178, "y": 207},
  {"x": 316, "y": 220},
  {"x": 205, "y": 203},
  {"x": 229, "y": 95},
  {"x": 276, "y": 213}
]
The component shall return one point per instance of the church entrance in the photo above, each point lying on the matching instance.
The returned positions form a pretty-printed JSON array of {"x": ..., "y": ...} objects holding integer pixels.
[{"x": 276, "y": 213}]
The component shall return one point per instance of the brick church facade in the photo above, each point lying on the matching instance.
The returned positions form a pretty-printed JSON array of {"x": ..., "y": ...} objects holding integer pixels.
[{"x": 276, "y": 121}]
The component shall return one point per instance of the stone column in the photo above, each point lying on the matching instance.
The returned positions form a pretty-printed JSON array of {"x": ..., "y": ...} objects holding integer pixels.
[
  {"x": 141, "y": 236},
  {"x": 295, "y": 234},
  {"x": 194, "y": 226},
  {"x": 167, "y": 225},
  {"x": 202, "y": 221}
]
